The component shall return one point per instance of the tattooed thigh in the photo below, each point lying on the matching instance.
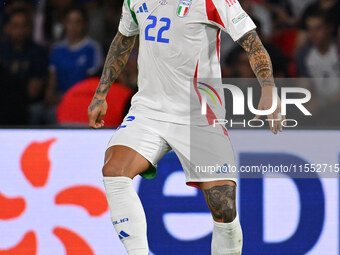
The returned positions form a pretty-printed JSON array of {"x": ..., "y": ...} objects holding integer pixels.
[{"x": 222, "y": 202}]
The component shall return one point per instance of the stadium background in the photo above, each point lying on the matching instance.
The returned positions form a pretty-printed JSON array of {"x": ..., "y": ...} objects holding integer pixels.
[{"x": 51, "y": 192}]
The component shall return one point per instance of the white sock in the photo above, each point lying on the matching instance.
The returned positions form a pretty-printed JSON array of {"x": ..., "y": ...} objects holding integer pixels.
[
  {"x": 127, "y": 214},
  {"x": 227, "y": 238}
]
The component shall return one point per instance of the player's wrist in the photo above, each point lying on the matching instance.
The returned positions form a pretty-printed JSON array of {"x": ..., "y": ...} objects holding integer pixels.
[
  {"x": 101, "y": 97},
  {"x": 267, "y": 91},
  {"x": 269, "y": 85},
  {"x": 100, "y": 94}
]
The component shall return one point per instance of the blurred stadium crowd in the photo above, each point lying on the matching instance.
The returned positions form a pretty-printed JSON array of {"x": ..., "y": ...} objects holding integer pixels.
[{"x": 52, "y": 48}]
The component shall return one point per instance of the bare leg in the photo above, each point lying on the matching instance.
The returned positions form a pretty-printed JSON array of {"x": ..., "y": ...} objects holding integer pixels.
[
  {"x": 124, "y": 161},
  {"x": 122, "y": 164},
  {"x": 221, "y": 199},
  {"x": 227, "y": 234}
]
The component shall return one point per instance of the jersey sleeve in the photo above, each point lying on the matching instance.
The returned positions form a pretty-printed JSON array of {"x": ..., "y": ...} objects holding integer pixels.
[
  {"x": 128, "y": 25},
  {"x": 229, "y": 16}
]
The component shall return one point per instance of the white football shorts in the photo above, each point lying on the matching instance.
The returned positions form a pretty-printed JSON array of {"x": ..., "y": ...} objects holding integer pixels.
[{"x": 205, "y": 152}]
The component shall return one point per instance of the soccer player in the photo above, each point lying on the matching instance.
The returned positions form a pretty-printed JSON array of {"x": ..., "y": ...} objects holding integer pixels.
[{"x": 179, "y": 43}]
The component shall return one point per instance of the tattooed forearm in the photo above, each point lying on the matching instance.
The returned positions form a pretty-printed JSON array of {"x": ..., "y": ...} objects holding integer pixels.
[
  {"x": 116, "y": 60},
  {"x": 95, "y": 103},
  {"x": 258, "y": 58},
  {"x": 222, "y": 202}
]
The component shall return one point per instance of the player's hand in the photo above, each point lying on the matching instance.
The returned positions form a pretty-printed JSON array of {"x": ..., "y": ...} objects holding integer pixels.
[
  {"x": 275, "y": 119},
  {"x": 96, "y": 112}
]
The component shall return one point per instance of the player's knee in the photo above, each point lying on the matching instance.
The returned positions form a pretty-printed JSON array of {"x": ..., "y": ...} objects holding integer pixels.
[
  {"x": 230, "y": 212},
  {"x": 222, "y": 202},
  {"x": 114, "y": 169},
  {"x": 226, "y": 211}
]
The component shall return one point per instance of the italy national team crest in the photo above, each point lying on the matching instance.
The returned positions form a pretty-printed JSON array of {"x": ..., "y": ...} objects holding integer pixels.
[{"x": 183, "y": 8}]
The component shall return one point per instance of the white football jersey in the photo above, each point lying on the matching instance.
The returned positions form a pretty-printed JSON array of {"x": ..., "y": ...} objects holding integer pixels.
[{"x": 179, "y": 41}]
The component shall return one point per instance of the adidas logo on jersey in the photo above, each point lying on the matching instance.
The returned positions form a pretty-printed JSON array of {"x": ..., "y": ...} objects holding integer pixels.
[
  {"x": 143, "y": 9},
  {"x": 123, "y": 235}
]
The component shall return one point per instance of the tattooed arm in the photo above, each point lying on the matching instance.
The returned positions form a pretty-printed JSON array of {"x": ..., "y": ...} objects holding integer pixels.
[
  {"x": 116, "y": 60},
  {"x": 262, "y": 66},
  {"x": 258, "y": 57}
]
